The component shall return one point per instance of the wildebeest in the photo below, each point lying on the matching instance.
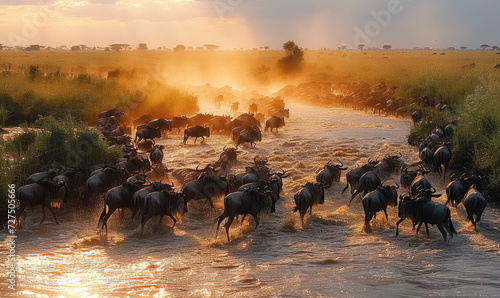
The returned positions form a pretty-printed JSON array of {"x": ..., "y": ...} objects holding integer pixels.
[
  {"x": 135, "y": 164},
  {"x": 235, "y": 132},
  {"x": 229, "y": 154},
  {"x": 196, "y": 132},
  {"x": 416, "y": 117},
  {"x": 279, "y": 178},
  {"x": 206, "y": 187},
  {"x": 111, "y": 113},
  {"x": 156, "y": 156},
  {"x": 407, "y": 177},
  {"x": 309, "y": 195},
  {"x": 162, "y": 124},
  {"x": 199, "y": 119},
  {"x": 250, "y": 201},
  {"x": 179, "y": 122},
  {"x": 497, "y": 66},
  {"x": 253, "y": 108},
  {"x": 251, "y": 137},
  {"x": 390, "y": 164},
  {"x": 474, "y": 203},
  {"x": 146, "y": 145},
  {"x": 442, "y": 158},
  {"x": 142, "y": 119},
  {"x": 352, "y": 177},
  {"x": 45, "y": 193},
  {"x": 139, "y": 196},
  {"x": 456, "y": 190},
  {"x": 147, "y": 133},
  {"x": 426, "y": 155},
  {"x": 73, "y": 178},
  {"x": 368, "y": 182},
  {"x": 234, "y": 107},
  {"x": 420, "y": 182},
  {"x": 103, "y": 180},
  {"x": 48, "y": 175},
  {"x": 274, "y": 123},
  {"x": 163, "y": 203},
  {"x": 425, "y": 211},
  {"x": 118, "y": 197},
  {"x": 378, "y": 200}
]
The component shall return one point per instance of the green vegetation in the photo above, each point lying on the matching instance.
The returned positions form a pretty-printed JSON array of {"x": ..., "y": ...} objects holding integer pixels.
[
  {"x": 292, "y": 62},
  {"x": 61, "y": 143},
  {"x": 477, "y": 141}
]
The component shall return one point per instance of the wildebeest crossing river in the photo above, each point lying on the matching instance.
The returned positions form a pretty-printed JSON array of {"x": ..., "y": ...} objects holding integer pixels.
[{"x": 331, "y": 255}]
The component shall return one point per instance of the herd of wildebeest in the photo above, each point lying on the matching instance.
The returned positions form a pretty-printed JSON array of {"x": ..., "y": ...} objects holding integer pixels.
[{"x": 135, "y": 181}]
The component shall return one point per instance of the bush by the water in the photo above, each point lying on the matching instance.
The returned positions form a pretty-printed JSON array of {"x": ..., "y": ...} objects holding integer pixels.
[{"x": 61, "y": 143}]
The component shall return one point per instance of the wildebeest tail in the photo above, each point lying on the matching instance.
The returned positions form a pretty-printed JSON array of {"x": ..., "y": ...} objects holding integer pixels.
[
  {"x": 346, "y": 186},
  {"x": 296, "y": 199}
]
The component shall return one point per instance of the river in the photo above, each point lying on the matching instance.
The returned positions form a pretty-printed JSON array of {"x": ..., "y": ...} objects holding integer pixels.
[{"x": 330, "y": 255}]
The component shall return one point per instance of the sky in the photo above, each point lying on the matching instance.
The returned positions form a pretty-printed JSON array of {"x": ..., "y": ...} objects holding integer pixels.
[{"x": 249, "y": 24}]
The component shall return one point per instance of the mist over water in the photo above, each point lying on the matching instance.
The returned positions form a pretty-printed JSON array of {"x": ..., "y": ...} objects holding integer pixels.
[{"x": 329, "y": 255}]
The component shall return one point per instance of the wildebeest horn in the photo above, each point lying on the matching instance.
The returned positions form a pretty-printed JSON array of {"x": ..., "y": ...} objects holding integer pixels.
[
  {"x": 224, "y": 148},
  {"x": 369, "y": 160},
  {"x": 387, "y": 156},
  {"x": 341, "y": 164},
  {"x": 397, "y": 185},
  {"x": 172, "y": 185},
  {"x": 160, "y": 180},
  {"x": 197, "y": 167},
  {"x": 328, "y": 163},
  {"x": 432, "y": 187},
  {"x": 400, "y": 155}
]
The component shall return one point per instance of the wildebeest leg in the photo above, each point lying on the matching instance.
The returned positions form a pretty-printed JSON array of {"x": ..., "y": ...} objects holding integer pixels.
[
  {"x": 427, "y": 229},
  {"x": 441, "y": 229},
  {"x": 144, "y": 219},
  {"x": 209, "y": 200},
  {"x": 397, "y": 225},
  {"x": 256, "y": 219},
  {"x": 19, "y": 212},
  {"x": 161, "y": 219},
  {"x": 103, "y": 214},
  {"x": 173, "y": 218},
  {"x": 302, "y": 213},
  {"x": 228, "y": 224},
  {"x": 310, "y": 210},
  {"x": 219, "y": 220},
  {"x": 418, "y": 228},
  {"x": 386, "y": 217},
  {"x": 196, "y": 138},
  {"x": 244, "y": 215},
  {"x": 203, "y": 139},
  {"x": 123, "y": 213},
  {"x": 43, "y": 214},
  {"x": 105, "y": 220},
  {"x": 53, "y": 213}
]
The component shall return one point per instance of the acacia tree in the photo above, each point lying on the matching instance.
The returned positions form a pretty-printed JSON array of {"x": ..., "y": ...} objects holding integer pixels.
[
  {"x": 484, "y": 46},
  {"x": 361, "y": 46},
  {"x": 292, "y": 62},
  {"x": 463, "y": 48},
  {"x": 387, "y": 47},
  {"x": 494, "y": 48},
  {"x": 180, "y": 48},
  {"x": 142, "y": 47},
  {"x": 211, "y": 47}
]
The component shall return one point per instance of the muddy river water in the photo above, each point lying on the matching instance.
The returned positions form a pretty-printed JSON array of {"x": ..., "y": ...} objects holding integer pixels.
[{"x": 330, "y": 255}]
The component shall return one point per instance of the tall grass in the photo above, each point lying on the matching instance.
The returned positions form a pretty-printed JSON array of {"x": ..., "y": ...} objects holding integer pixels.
[{"x": 477, "y": 141}]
